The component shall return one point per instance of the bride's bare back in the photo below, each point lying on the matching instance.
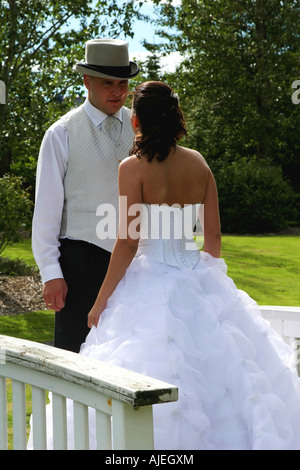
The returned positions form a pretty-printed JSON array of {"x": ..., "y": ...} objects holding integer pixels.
[
  {"x": 183, "y": 178},
  {"x": 180, "y": 179}
]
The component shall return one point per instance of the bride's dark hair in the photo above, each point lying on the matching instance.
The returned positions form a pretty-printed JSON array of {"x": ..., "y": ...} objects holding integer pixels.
[{"x": 161, "y": 121}]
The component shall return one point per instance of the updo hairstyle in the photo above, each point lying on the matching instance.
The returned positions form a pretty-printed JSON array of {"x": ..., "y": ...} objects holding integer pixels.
[{"x": 161, "y": 120}]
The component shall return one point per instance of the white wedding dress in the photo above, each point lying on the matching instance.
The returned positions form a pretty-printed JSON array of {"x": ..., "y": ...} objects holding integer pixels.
[{"x": 177, "y": 316}]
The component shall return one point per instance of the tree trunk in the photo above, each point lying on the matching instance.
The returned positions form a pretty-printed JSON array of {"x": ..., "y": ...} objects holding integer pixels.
[
  {"x": 264, "y": 142},
  {"x": 5, "y": 145}
]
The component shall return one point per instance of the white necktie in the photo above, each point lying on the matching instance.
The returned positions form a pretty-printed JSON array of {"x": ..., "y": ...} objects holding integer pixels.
[{"x": 112, "y": 127}]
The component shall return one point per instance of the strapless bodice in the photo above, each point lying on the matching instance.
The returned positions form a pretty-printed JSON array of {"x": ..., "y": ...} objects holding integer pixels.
[{"x": 166, "y": 234}]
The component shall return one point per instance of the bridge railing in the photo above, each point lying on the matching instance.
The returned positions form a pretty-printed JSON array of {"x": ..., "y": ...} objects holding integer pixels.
[{"x": 121, "y": 400}]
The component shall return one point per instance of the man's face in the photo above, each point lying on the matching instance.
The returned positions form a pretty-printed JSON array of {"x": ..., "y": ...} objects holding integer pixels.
[{"x": 106, "y": 94}]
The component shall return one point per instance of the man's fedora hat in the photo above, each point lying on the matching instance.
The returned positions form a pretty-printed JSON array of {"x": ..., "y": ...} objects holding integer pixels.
[{"x": 107, "y": 58}]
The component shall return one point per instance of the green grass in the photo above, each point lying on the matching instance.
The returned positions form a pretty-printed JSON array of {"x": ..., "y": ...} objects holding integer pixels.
[
  {"x": 34, "y": 326},
  {"x": 20, "y": 251},
  {"x": 266, "y": 267}
]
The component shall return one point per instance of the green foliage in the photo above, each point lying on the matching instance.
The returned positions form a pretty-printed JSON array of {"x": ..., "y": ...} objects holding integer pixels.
[
  {"x": 253, "y": 198},
  {"x": 9, "y": 267},
  {"x": 235, "y": 83},
  {"x": 17, "y": 259},
  {"x": 40, "y": 41},
  {"x": 15, "y": 210}
]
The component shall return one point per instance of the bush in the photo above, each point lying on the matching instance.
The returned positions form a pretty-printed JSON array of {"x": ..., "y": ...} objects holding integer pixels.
[
  {"x": 9, "y": 267},
  {"x": 15, "y": 210},
  {"x": 254, "y": 198}
]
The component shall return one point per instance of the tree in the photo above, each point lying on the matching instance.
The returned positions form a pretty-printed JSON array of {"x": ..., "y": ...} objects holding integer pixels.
[
  {"x": 151, "y": 68},
  {"x": 40, "y": 42},
  {"x": 242, "y": 57},
  {"x": 15, "y": 210},
  {"x": 236, "y": 87}
]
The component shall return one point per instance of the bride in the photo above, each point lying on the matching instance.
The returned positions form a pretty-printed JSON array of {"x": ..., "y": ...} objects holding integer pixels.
[
  {"x": 158, "y": 172},
  {"x": 169, "y": 311}
]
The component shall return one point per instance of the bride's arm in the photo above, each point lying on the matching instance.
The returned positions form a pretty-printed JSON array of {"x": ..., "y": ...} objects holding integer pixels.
[
  {"x": 211, "y": 223},
  {"x": 125, "y": 248}
]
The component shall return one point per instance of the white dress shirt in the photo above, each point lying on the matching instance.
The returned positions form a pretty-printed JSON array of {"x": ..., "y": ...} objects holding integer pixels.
[{"x": 49, "y": 198}]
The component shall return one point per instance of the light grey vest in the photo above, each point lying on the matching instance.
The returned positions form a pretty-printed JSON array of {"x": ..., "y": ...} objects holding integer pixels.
[{"x": 91, "y": 180}]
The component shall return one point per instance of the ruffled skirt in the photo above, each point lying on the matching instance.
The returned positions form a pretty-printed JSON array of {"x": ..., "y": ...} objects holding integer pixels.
[{"x": 194, "y": 329}]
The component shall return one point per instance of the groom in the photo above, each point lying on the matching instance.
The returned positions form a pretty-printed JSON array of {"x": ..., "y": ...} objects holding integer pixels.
[{"x": 77, "y": 171}]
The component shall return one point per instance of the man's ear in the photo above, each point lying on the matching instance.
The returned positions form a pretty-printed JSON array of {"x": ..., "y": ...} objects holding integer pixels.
[{"x": 87, "y": 81}]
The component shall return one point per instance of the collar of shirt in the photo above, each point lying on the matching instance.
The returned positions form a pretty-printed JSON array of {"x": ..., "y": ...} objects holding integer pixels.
[{"x": 97, "y": 116}]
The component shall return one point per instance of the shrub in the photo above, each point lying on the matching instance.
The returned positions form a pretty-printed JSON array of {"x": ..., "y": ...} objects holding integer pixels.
[
  {"x": 15, "y": 210},
  {"x": 254, "y": 198},
  {"x": 9, "y": 267}
]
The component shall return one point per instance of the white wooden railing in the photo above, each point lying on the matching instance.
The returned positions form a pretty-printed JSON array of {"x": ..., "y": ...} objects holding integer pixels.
[
  {"x": 122, "y": 399},
  {"x": 286, "y": 321}
]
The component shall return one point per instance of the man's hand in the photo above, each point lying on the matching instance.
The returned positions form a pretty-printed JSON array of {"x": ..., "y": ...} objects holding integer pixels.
[{"x": 54, "y": 293}]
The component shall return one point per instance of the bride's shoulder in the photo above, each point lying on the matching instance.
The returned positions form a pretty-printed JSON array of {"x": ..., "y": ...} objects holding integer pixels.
[
  {"x": 194, "y": 156},
  {"x": 130, "y": 165},
  {"x": 130, "y": 161}
]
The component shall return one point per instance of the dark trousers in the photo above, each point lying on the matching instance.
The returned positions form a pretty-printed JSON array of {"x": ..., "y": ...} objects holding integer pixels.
[{"x": 84, "y": 266}]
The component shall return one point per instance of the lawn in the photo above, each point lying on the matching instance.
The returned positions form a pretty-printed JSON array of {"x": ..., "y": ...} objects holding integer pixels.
[
  {"x": 266, "y": 267},
  {"x": 20, "y": 251},
  {"x": 34, "y": 326}
]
